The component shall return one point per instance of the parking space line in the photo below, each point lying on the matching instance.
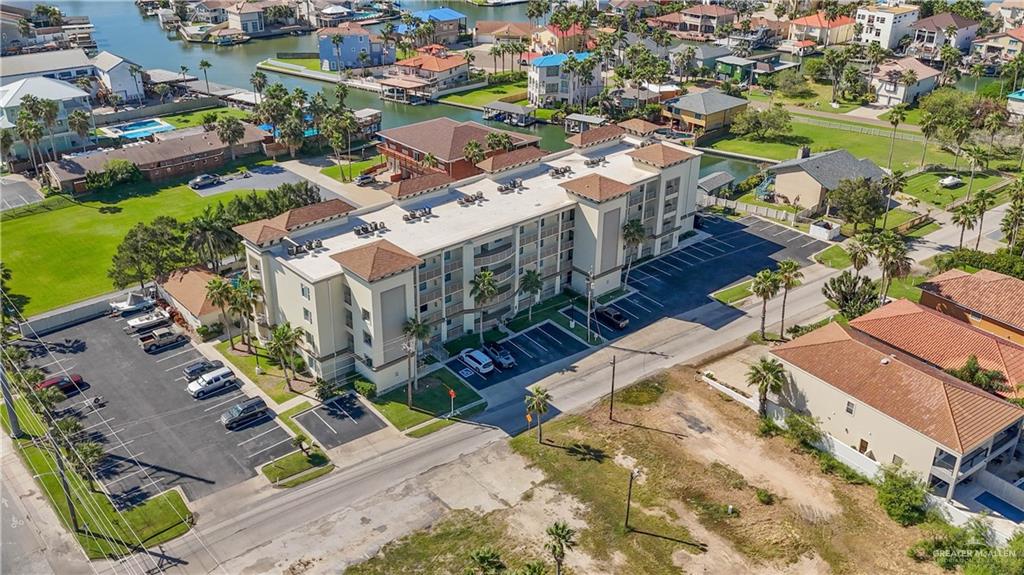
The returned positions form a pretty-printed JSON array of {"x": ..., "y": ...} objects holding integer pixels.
[
  {"x": 123, "y": 477},
  {"x": 637, "y": 304},
  {"x": 654, "y": 301},
  {"x": 784, "y": 230},
  {"x": 329, "y": 426},
  {"x": 343, "y": 410},
  {"x": 651, "y": 265},
  {"x": 271, "y": 430},
  {"x": 687, "y": 257},
  {"x": 101, "y": 422},
  {"x": 625, "y": 311},
  {"x": 116, "y": 463},
  {"x": 251, "y": 455},
  {"x": 679, "y": 259},
  {"x": 709, "y": 246},
  {"x": 189, "y": 350},
  {"x": 180, "y": 378},
  {"x": 715, "y": 239},
  {"x": 233, "y": 397},
  {"x": 534, "y": 341},
  {"x": 664, "y": 260},
  {"x": 633, "y": 280},
  {"x": 181, "y": 364},
  {"x": 809, "y": 242},
  {"x": 710, "y": 255},
  {"x": 517, "y": 346},
  {"x": 640, "y": 270}
]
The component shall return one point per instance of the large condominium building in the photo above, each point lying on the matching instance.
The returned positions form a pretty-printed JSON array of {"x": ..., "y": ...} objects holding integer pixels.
[
  {"x": 885, "y": 25},
  {"x": 351, "y": 278}
]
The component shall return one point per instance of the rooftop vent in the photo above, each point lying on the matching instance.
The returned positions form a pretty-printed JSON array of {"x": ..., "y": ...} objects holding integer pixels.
[{"x": 885, "y": 361}]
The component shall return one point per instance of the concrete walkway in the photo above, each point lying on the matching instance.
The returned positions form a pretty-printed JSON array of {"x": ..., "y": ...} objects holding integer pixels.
[
  {"x": 359, "y": 196},
  {"x": 848, "y": 117}
]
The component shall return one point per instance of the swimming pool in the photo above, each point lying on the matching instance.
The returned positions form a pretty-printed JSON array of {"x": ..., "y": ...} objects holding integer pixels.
[
  {"x": 138, "y": 129},
  {"x": 1001, "y": 507}
]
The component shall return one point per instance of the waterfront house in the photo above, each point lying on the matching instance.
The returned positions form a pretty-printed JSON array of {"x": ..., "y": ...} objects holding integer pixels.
[
  {"x": 496, "y": 31},
  {"x": 820, "y": 30},
  {"x": 66, "y": 65},
  {"x": 705, "y": 19},
  {"x": 552, "y": 39},
  {"x": 888, "y": 81},
  {"x": 1015, "y": 107},
  {"x": 549, "y": 83},
  {"x": 705, "y": 111},
  {"x": 885, "y": 24},
  {"x": 164, "y": 159},
  {"x": 448, "y": 26},
  {"x": 715, "y": 183},
  {"x": 894, "y": 408},
  {"x": 211, "y": 11},
  {"x": 734, "y": 68},
  {"x": 985, "y": 299},
  {"x": 806, "y": 181},
  {"x": 247, "y": 17},
  {"x": 369, "y": 120},
  {"x": 443, "y": 138},
  {"x": 114, "y": 72},
  {"x": 354, "y": 40},
  {"x": 704, "y": 55},
  {"x": 931, "y": 34},
  {"x": 68, "y": 97},
  {"x": 10, "y": 26},
  {"x": 576, "y": 123},
  {"x": 1000, "y": 47},
  {"x": 943, "y": 341},
  {"x": 645, "y": 7},
  {"x": 186, "y": 290},
  {"x": 435, "y": 72},
  {"x": 1011, "y": 12}
]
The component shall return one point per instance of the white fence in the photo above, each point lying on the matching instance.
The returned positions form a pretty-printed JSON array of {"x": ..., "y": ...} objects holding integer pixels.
[
  {"x": 773, "y": 213},
  {"x": 732, "y": 393}
]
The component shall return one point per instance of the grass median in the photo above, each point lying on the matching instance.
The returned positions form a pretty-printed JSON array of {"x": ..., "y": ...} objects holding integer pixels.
[
  {"x": 293, "y": 464},
  {"x": 430, "y": 401},
  {"x": 192, "y": 119},
  {"x": 834, "y": 257}
]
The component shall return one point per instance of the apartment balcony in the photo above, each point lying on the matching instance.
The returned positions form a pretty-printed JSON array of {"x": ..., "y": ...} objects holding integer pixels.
[
  {"x": 550, "y": 250},
  {"x": 453, "y": 308},
  {"x": 528, "y": 258},
  {"x": 431, "y": 316},
  {"x": 635, "y": 199},
  {"x": 527, "y": 237},
  {"x": 568, "y": 225},
  {"x": 430, "y": 272},
  {"x": 548, "y": 231},
  {"x": 452, "y": 265},
  {"x": 491, "y": 257},
  {"x": 429, "y": 295}
]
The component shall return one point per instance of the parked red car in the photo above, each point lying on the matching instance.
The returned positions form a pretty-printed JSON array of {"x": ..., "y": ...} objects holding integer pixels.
[{"x": 66, "y": 384}]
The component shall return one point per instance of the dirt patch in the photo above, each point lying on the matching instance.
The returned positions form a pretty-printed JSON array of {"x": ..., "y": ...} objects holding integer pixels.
[{"x": 732, "y": 369}]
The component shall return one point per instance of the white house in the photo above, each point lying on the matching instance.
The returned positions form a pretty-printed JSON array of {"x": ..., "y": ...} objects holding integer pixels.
[
  {"x": 932, "y": 33},
  {"x": 889, "y": 84},
  {"x": 549, "y": 81},
  {"x": 1010, "y": 11},
  {"x": 884, "y": 24},
  {"x": 69, "y": 98},
  {"x": 116, "y": 74}
]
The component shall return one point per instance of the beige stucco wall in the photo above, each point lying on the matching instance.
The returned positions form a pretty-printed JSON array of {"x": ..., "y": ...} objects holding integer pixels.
[{"x": 799, "y": 188}]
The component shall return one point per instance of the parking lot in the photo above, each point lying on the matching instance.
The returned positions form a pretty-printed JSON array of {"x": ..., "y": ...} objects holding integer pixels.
[
  {"x": 339, "y": 421},
  {"x": 260, "y": 178},
  {"x": 156, "y": 436},
  {"x": 540, "y": 345}
]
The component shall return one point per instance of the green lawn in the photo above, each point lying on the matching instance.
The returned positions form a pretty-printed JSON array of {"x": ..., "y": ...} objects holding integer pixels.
[
  {"x": 905, "y": 156},
  {"x": 61, "y": 256},
  {"x": 751, "y": 198},
  {"x": 110, "y": 533},
  {"x": 306, "y": 477},
  {"x": 548, "y": 310},
  {"x": 925, "y": 186},
  {"x": 897, "y": 216},
  {"x": 341, "y": 172},
  {"x": 454, "y": 346},
  {"x": 307, "y": 63},
  {"x": 733, "y": 294},
  {"x": 544, "y": 114},
  {"x": 834, "y": 257},
  {"x": 270, "y": 381},
  {"x": 922, "y": 231},
  {"x": 190, "y": 119},
  {"x": 913, "y": 116},
  {"x": 486, "y": 95},
  {"x": 906, "y": 288},
  {"x": 293, "y": 464},
  {"x": 443, "y": 423},
  {"x": 430, "y": 401},
  {"x": 818, "y": 98}
]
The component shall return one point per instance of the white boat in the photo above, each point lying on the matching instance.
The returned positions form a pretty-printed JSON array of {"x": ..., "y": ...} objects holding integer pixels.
[
  {"x": 135, "y": 302},
  {"x": 150, "y": 320},
  {"x": 950, "y": 182}
]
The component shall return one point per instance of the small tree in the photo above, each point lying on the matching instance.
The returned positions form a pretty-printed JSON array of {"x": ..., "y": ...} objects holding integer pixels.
[
  {"x": 531, "y": 284},
  {"x": 766, "y": 285},
  {"x": 230, "y": 131},
  {"x": 89, "y": 456},
  {"x": 483, "y": 288},
  {"x": 486, "y": 561},
  {"x": 789, "y": 276},
  {"x": 902, "y": 495},
  {"x": 853, "y": 295},
  {"x": 633, "y": 234},
  {"x": 221, "y": 294},
  {"x": 300, "y": 442},
  {"x": 537, "y": 404},
  {"x": 415, "y": 331},
  {"x": 561, "y": 538},
  {"x": 767, "y": 375},
  {"x": 991, "y": 380}
]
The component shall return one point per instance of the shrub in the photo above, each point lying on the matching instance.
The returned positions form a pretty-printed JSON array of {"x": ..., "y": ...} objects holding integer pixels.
[
  {"x": 506, "y": 77},
  {"x": 688, "y": 234},
  {"x": 766, "y": 427},
  {"x": 645, "y": 391},
  {"x": 298, "y": 364},
  {"x": 1001, "y": 261},
  {"x": 803, "y": 429},
  {"x": 764, "y": 496},
  {"x": 950, "y": 546},
  {"x": 832, "y": 466},
  {"x": 208, "y": 332},
  {"x": 366, "y": 389},
  {"x": 902, "y": 495}
]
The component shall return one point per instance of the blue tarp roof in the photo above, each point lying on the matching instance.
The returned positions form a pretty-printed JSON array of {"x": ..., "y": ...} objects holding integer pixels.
[{"x": 556, "y": 59}]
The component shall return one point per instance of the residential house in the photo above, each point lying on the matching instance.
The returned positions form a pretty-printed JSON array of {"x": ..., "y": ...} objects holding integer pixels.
[
  {"x": 705, "y": 19},
  {"x": 885, "y": 24},
  {"x": 66, "y": 65},
  {"x": 253, "y": 17},
  {"x": 896, "y": 409},
  {"x": 497, "y": 31},
  {"x": 822, "y": 31},
  {"x": 1015, "y": 107},
  {"x": 734, "y": 68},
  {"x": 438, "y": 71},
  {"x": 552, "y": 39},
  {"x": 69, "y": 98},
  {"x": 704, "y": 111},
  {"x": 10, "y": 27},
  {"x": 704, "y": 55},
  {"x": 115, "y": 73},
  {"x": 634, "y": 39},
  {"x": 985, "y": 299},
  {"x": 160, "y": 160},
  {"x": 890, "y": 86},
  {"x": 932, "y": 33},
  {"x": 943, "y": 341},
  {"x": 1011, "y": 12},
  {"x": 211, "y": 11},
  {"x": 1000, "y": 47},
  {"x": 353, "y": 293},
  {"x": 807, "y": 180},
  {"x": 369, "y": 120},
  {"x": 443, "y": 138},
  {"x": 576, "y": 123},
  {"x": 644, "y": 7},
  {"x": 549, "y": 82},
  {"x": 186, "y": 290},
  {"x": 639, "y": 127},
  {"x": 354, "y": 40},
  {"x": 448, "y": 26}
]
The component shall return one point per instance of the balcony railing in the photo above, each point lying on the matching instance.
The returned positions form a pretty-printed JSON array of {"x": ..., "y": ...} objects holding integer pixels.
[
  {"x": 568, "y": 225},
  {"x": 452, "y": 265},
  {"x": 454, "y": 307},
  {"x": 431, "y": 316},
  {"x": 549, "y": 231},
  {"x": 548, "y": 250},
  {"x": 430, "y": 272},
  {"x": 430, "y": 295},
  {"x": 493, "y": 257},
  {"x": 527, "y": 237}
]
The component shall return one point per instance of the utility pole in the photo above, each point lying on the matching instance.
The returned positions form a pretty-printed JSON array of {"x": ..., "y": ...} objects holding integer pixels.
[
  {"x": 590, "y": 292},
  {"x": 611, "y": 397},
  {"x": 12, "y": 415},
  {"x": 629, "y": 495}
]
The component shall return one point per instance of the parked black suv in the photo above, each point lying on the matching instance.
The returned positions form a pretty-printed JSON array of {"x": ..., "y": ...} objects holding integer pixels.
[
  {"x": 500, "y": 356},
  {"x": 194, "y": 370},
  {"x": 612, "y": 317},
  {"x": 243, "y": 413}
]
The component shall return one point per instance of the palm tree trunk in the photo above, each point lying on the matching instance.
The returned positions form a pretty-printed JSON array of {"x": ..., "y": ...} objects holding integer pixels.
[
  {"x": 924, "y": 150},
  {"x": 892, "y": 144},
  {"x": 764, "y": 311},
  {"x": 408, "y": 387},
  {"x": 782, "y": 322},
  {"x": 970, "y": 186},
  {"x": 227, "y": 326},
  {"x": 348, "y": 137},
  {"x": 540, "y": 432},
  {"x": 962, "y": 230},
  {"x": 981, "y": 223},
  {"x": 53, "y": 148}
]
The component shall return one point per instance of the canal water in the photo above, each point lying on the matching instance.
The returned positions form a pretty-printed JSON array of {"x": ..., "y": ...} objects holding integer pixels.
[{"x": 121, "y": 29}]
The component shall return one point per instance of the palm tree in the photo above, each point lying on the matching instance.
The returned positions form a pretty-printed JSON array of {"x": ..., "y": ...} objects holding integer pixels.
[
  {"x": 259, "y": 83},
  {"x": 293, "y": 134},
  {"x": 860, "y": 253},
  {"x": 929, "y": 129},
  {"x": 43, "y": 401},
  {"x": 184, "y": 72},
  {"x": 88, "y": 458},
  {"x": 977, "y": 156},
  {"x": 992, "y": 124},
  {"x": 205, "y": 65},
  {"x": 960, "y": 130},
  {"x": 301, "y": 442},
  {"x": 79, "y": 123},
  {"x": 983, "y": 200},
  {"x": 49, "y": 111},
  {"x": 633, "y": 235},
  {"x": 561, "y": 538},
  {"x": 247, "y": 294},
  {"x": 964, "y": 216},
  {"x": 30, "y": 132},
  {"x": 494, "y": 52},
  {"x": 766, "y": 285},
  {"x": 473, "y": 152},
  {"x": 1012, "y": 224},
  {"x": 537, "y": 403},
  {"x": 977, "y": 71},
  {"x": 531, "y": 284},
  {"x": 767, "y": 375},
  {"x": 896, "y": 117},
  {"x": 486, "y": 561},
  {"x": 892, "y": 184},
  {"x": 337, "y": 40},
  {"x": 222, "y": 294},
  {"x": 789, "y": 276},
  {"x": 230, "y": 131},
  {"x": 891, "y": 253},
  {"x": 208, "y": 232},
  {"x": 348, "y": 125},
  {"x": 484, "y": 287},
  {"x": 415, "y": 331},
  {"x": 136, "y": 72},
  {"x": 283, "y": 340}
]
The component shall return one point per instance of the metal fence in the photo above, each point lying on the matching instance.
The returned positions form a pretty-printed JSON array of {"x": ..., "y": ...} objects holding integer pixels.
[{"x": 886, "y": 133}]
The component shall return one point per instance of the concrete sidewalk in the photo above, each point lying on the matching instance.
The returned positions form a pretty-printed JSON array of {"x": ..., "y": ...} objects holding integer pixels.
[{"x": 358, "y": 196}]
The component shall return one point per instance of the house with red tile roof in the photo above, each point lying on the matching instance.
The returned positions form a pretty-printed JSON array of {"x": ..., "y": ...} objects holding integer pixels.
[
  {"x": 1001, "y": 46},
  {"x": 822, "y": 31},
  {"x": 985, "y": 299},
  {"x": 552, "y": 39}
]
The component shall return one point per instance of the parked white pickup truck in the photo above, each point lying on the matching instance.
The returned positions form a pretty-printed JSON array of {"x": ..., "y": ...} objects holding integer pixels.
[{"x": 158, "y": 339}]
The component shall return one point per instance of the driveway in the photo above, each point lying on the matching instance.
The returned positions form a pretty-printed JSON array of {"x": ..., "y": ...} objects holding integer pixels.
[
  {"x": 532, "y": 348},
  {"x": 156, "y": 436},
  {"x": 261, "y": 178},
  {"x": 339, "y": 421},
  {"x": 16, "y": 191}
]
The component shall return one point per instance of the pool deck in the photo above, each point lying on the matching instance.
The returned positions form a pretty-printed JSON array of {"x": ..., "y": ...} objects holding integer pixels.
[{"x": 118, "y": 131}]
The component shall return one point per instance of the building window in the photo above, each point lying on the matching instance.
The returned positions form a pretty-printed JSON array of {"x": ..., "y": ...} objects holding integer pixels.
[
  {"x": 423, "y": 308},
  {"x": 897, "y": 460},
  {"x": 849, "y": 407},
  {"x": 305, "y": 291},
  {"x": 448, "y": 298},
  {"x": 423, "y": 286},
  {"x": 448, "y": 277},
  {"x": 367, "y": 339},
  {"x": 366, "y": 315},
  {"x": 306, "y": 315}
]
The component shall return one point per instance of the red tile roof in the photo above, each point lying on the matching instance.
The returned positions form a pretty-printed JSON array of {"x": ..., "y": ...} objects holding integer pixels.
[
  {"x": 188, "y": 287},
  {"x": 575, "y": 30},
  {"x": 638, "y": 126},
  {"x": 596, "y": 187},
  {"x": 987, "y": 293},
  {"x": 419, "y": 184},
  {"x": 943, "y": 341},
  {"x": 661, "y": 155},
  {"x": 376, "y": 260},
  {"x": 445, "y": 138},
  {"x": 953, "y": 413},
  {"x": 596, "y": 135},
  {"x": 818, "y": 21},
  {"x": 432, "y": 63},
  {"x": 712, "y": 10},
  {"x": 277, "y": 227},
  {"x": 506, "y": 160}
]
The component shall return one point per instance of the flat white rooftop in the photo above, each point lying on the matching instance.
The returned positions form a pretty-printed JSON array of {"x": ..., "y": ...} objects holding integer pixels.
[{"x": 452, "y": 224}]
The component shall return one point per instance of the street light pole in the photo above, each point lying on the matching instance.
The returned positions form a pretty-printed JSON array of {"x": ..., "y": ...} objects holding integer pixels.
[
  {"x": 629, "y": 495},
  {"x": 590, "y": 291},
  {"x": 611, "y": 397},
  {"x": 12, "y": 415}
]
